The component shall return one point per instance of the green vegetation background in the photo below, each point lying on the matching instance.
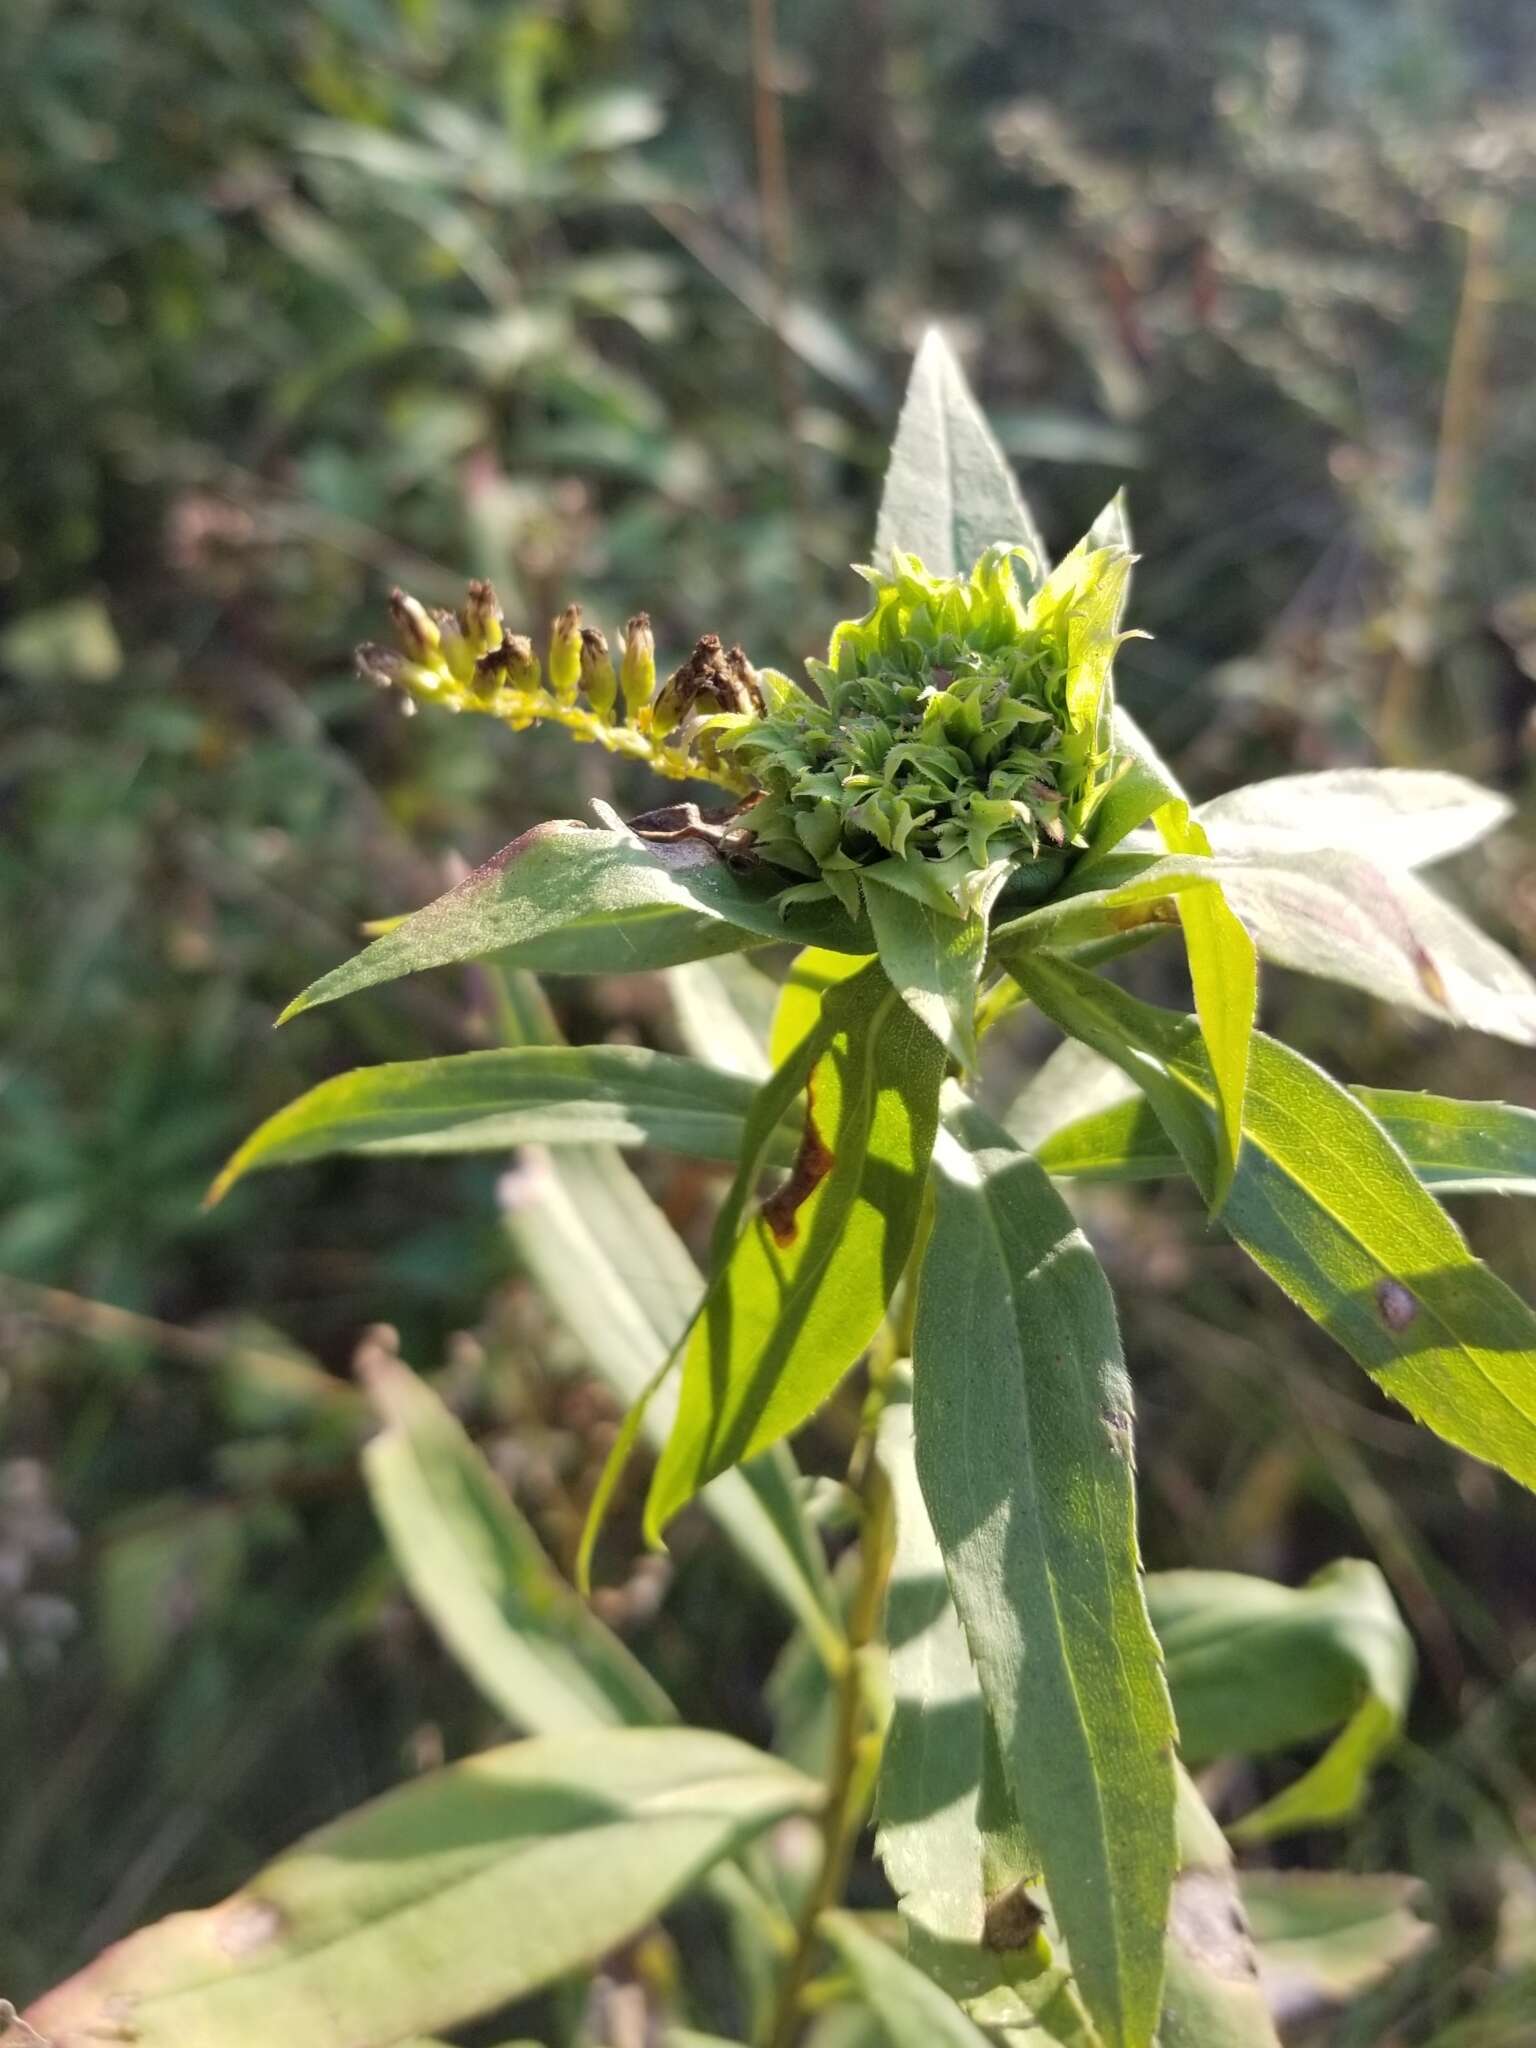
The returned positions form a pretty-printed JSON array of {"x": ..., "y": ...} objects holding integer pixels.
[{"x": 299, "y": 301}]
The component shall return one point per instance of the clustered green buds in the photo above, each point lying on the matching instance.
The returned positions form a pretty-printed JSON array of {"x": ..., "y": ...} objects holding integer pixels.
[
  {"x": 961, "y": 736},
  {"x": 963, "y": 733}
]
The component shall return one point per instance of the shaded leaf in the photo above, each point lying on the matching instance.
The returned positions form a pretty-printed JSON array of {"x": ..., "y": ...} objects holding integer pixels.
[
  {"x": 494, "y": 1101},
  {"x": 479, "y": 1573},
  {"x": 911, "y": 2009},
  {"x": 724, "y": 1010},
  {"x": 1023, "y": 1426},
  {"x": 802, "y": 1284},
  {"x": 1255, "y": 1667},
  {"x": 453, "y": 1895},
  {"x": 568, "y": 899},
  {"x": 1325, "y": 1203},
  {"x": 1324, "y": 1937},
  {"x": 949, "y": 492}
]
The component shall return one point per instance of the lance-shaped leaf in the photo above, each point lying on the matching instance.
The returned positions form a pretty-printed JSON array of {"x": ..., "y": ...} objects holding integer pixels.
[
  {"x": 1457, "y": 1148},
  {"x": 724, "y": 1012},
  {"x": 1328, "y": 1206},
  {"x": 1397, "y": 817},
  {"x": 479, "y": 1573},
  {"x": 460, "y": 1892},
  {"x": 949, "y": 492},
  {"x": 518, "y": 1095},
  {"x": 801, "y": 1285},
  {"x": 948, "y": 1834},
  {"x": 1023, "y": 1428},
  {"x": 619, "y": 1278},
  {"x": 615, "y": 1272},
  {"x": 1223, "y": 965},
  {"x": 1255, "y": 1667},
  {"x": 568, "y": 899}
]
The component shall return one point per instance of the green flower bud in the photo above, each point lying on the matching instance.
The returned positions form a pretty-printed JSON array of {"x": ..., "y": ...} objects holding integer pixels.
[
  {"x": 565, "y": 654},
  {"x": 637, "y": 671},
  {"x": 597, "y": 676},
  {"x": 962, "y": 726}
]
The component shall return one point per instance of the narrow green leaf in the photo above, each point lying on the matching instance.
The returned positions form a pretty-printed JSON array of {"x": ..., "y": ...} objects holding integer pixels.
[
  {"x": 568, "y": 899},
  {"x": 802, "y": 1285},
  {"x": 1325, "y": 1203},
  {"x": 1397, "y": 817},
  {"x": 1457, "y": 1148},
  {"x": 1224, "y": 974},
  {"x": 948, "y": 1830},
  {"x": 933, "y": 961},
  {"x": 494, "y": 1101},
  {"x": 1023, "y": 1425},
  {"x": 928, "y": 1838},
  {"x": 1255, "y": 1667},
  {"x": 460, "y": 1892},
  {"x": 479, "y": 1573},
  {"x": 911, "y": 2009},
  {"x": 949, "y": 492},
  {"x": 812, "y": 973},
  {"x": 619, "y": 1278}
]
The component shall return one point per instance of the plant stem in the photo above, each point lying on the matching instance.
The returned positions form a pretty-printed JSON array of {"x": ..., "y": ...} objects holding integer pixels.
[{"x": 856, "y": 1737}]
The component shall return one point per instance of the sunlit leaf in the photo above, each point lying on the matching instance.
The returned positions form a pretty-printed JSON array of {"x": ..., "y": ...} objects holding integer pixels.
[
  {"x": 1457, "y": 1148},
  {"x": 802, "y": 1283},
  {"x": 461, "y": 1891},
  {"x": 1325, "y": 1203},
  {"x": 569, "y": 899},
  {"x": 949, "y": 492},
  {"x": 479, "y": 1573},
  {"x": 1397, "y": 817},
  {"x": 1023, "y": 1429},
  {"x": 1255, "y": 1667},
  {"x": 724, "y": 1011},
  {"x": 494, "y": 1101},
  {"x": 617, "y": 1276}
]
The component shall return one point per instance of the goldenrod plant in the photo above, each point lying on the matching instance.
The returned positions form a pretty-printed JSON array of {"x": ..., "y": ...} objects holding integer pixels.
[{"x": 952, "y": 818}]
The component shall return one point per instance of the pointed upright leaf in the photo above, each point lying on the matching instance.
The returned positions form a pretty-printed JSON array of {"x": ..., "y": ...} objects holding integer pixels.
[
  {"x": 802, "y": 1284},
  {"x": 949, "y": 492}
]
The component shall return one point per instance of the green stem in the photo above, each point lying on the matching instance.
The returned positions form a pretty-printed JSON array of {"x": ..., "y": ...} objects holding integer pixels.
[{"x": 857, "y": 1734}]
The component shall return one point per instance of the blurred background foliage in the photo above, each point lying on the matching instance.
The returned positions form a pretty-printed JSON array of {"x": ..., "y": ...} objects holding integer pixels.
[{"x": 296, "y": 301}]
